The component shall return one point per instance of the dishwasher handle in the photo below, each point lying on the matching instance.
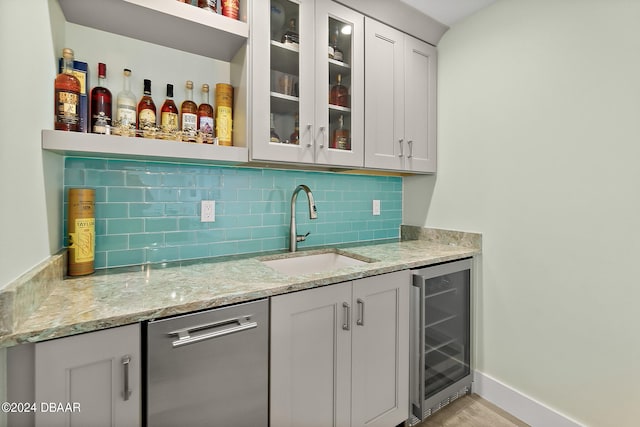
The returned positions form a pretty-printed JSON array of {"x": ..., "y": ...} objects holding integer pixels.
[{"x": 239, "y": 324}]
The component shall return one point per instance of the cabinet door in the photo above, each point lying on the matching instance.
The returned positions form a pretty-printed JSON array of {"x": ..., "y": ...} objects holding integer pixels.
[
  {"x": 310, "y": 358},
  {"x": 380, "y": 395},
  {"x": 90, "y": 372},
  {"x": 339, "y": 137},
  {"x": 384, "y": 94},
  {"x": 283, "y": 81},
  {"x": 420, "y": 105}
]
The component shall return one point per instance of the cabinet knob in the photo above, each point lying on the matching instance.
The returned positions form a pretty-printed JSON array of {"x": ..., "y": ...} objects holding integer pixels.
[
  {"x": 410, "y": 142},
  {"x": 400, "y": 141}
]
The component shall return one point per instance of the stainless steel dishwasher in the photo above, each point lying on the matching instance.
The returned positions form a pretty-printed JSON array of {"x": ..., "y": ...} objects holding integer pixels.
[{"x": 209, "y": 368}]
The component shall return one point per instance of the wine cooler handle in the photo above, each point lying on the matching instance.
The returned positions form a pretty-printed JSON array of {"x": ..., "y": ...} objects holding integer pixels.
[
  {"x": 322, "y": 131},
  {"x": 309, "y": 129},
  {"x": 347, "y": 316},
  {"x": 126, "y": 392},
  {"x": 360, "y": 320},
  {"x": 410, "y": 142},
  {"x": 400, "y": 141}
]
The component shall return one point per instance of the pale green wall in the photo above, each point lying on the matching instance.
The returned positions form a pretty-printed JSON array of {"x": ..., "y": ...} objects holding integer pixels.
[
  {"x": 30, "y": 181},
  {"x": 539, "y": 149}
]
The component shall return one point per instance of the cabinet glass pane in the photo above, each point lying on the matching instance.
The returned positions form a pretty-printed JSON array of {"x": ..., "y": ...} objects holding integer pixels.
[
  {"x": 284, "y": 72},
  {"x": 340, "y": 48}
]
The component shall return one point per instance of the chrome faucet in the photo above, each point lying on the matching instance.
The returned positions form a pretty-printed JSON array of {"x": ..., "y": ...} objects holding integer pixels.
[{"x": 294, "y": 238}]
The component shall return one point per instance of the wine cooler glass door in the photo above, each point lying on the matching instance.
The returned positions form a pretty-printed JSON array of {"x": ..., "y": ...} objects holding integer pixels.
[{"x": 442, "y": 334}]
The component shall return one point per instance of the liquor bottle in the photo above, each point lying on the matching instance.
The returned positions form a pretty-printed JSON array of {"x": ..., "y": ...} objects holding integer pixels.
[
  {"x": 295, "y": 136},
  {"x": 208, "y": 5},
  {"x": 339, "y": 94},
  {"x": 291, "y": 37},
  {"x": 125, "y": 108},
  {"x": 189, "y": 115},
  {"x": 67, "y": 96},
  {"x": 341, "y": 140},
  {"x": 169, "y": 115},
  {"x": 205, "y": 116},
  {"x": 334, "y": 51},
  {"x": 274, "y": 136},
  {"x": 147, "y": 112},
  {"x": 230, "y": 8},
  {"x": 101, "y": 104}
]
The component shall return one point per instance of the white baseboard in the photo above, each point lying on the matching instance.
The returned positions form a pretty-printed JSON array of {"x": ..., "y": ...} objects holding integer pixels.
[{"x": 519, "y": 405}]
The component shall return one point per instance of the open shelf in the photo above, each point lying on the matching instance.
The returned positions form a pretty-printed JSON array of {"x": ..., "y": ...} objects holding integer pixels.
[
  {"x": 164, "y": 22},
  {"x": 124, "y": 147}
]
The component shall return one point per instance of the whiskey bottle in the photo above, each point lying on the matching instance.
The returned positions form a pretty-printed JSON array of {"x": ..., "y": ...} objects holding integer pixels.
[
  {"x": 147, "y": 112},
  {"x": 339, "y": 94},
  {"x": 169, "y": 115},
  {"x": 67, "y": 96},
  {"x": 209, "y": 5},
  {"x": 189, "y": 115},
  {"x": 274, "y": 136},
  {"x": 205, "y": 117},
  {"x": 341, "y": 140},
  {"x": 101, "y": 104},
  {"x": 295, "y": 136},
  {"x": 334, "y": 51},
  {"x": 125, "y": 120},
  {"x": 291, "y": 37}
]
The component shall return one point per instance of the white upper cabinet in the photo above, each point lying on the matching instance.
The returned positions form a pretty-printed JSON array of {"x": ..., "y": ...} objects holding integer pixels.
[
  {"x": 299, "y": 55},
  {"x": 400, "y": 94}
]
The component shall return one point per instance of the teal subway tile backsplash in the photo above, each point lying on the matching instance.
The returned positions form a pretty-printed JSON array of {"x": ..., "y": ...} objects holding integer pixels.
[{"x": 150, "y": 211}]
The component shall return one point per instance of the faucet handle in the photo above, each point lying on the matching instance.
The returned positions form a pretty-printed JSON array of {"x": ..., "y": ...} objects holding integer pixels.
[{"x": 301, "y": 237}]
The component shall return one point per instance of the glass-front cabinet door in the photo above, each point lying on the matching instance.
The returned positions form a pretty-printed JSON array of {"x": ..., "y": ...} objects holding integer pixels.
[
  {"x": 339, "y": 85},
  {"x": 308, "y": 88}
]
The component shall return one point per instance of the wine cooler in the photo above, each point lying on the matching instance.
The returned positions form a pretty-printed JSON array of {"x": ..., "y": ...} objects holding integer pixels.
[{"x": 440, "y": 337}]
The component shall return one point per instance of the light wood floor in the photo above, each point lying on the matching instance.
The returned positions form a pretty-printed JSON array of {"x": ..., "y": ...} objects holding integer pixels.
[{"x": 471, "y": 411}]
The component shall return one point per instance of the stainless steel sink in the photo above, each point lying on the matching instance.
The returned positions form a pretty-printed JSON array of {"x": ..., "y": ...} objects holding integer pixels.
[{"x": 300, "y": 263}]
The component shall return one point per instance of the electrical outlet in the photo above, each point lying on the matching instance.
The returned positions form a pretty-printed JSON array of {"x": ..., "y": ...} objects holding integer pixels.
[
  {"x": 376, "y": 207},
  {"x": 208, "y": 211}
]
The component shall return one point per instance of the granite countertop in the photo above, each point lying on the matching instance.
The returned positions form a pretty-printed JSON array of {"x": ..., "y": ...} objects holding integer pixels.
[{"x": 128, "y": 295}]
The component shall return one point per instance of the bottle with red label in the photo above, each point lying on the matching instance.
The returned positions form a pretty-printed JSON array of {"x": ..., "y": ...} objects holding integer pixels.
[{"x": 101, "y": 104}]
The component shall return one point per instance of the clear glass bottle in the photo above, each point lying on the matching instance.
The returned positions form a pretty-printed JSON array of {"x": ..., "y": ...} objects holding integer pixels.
[
  {"x": 147, "y": 112},
  {"x": 125, "y": 121},
  {"x": 274, "y": 136},
  {"x": 339, "y": 94},
  {"x": 205, "y": 117},
  {"x": 101, "y": 111},
  {"x": 291, "y": 37},
  {"x": 67, "y": 96},
  {"x": 209, "y": 5},
  {"x": 169, "y": 115},
  {"x": 334, "y": 51},
  {"x": 189, "y": 115}
]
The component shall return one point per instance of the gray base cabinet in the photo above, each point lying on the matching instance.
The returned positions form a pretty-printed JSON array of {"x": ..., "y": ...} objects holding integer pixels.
[
  {"x": 340, "y": 354},
  {"x": 91, "y": 379}
]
